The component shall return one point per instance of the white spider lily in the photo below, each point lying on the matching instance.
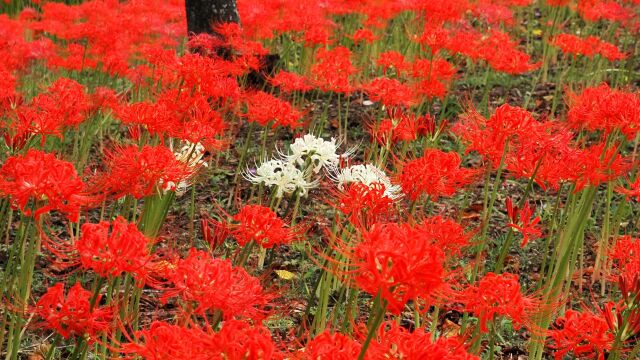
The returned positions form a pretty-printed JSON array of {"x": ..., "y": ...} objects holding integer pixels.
[
  {"x": 281, "y": 174},
  {"x": 367, "y": 174},
  {"x": 191, "y": 154},
  {"x": 319, "y": 152}
]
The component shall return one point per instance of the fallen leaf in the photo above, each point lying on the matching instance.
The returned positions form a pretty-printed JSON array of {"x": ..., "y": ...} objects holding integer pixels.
[{"x": 285, "y": 275}]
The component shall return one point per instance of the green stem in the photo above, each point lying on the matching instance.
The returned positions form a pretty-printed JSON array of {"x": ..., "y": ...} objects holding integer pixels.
[{"x": 377, "y": 312}]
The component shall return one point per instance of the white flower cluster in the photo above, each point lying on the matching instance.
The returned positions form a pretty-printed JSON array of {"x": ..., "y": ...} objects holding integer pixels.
[
  {"x": 291, "y": 172},
  {"x": 285, "y": 176},
  {"x": 318, "y": 152},
  {"x": 191, "y": 154},
  {"x": 309, "y": 155},
  {"x": 367, "y": 174}
]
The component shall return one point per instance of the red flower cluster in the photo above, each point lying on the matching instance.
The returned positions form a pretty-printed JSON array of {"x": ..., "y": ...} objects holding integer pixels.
[
  {"x": 333, "y": 346},
  {"x": 443, "y": 233},
  {"x": 543, "y": 149},
  {"x": 391, "y": 342},
  {"x": 111, "y": 249},
  {"x": 332, "y": 70},
  {"x": 393, "y": 260},
  {"x": 289, "y": 82},
  {"x": 582, "y": 333},
  {"x": 396, "y": 342},
  {"x": 236, "y": 340},
  {"x": 490, "y": 136},
  {"x": 435, "y": 174},
  {"x": 499, "y": 295},
  {"x": 520, "y": 220},
  {"x": 259, "y": 224},
  {"x": 626, "y": 254},
  {"x": 605, "y": 109},
  {"x": 588, "y": 47},
  {"x": 73, "y": 314},
  {"x": 38, "y": 182},
  {"x": 392, "y": 60},
  {"x": 214, "y": 284},
  {"x": 65, "y": 104},
  {"x": 495, "y": 47},
  {"x": 389, "y": 92},
  {"x": 266, "y": 109},
  {"x": 400, "y": 126},
  {"x": 183, "y": 115},
  {"x": 594, "y": 10},
  {"x": 140, "y": 172},
  {"x": 364, "y": 204}
]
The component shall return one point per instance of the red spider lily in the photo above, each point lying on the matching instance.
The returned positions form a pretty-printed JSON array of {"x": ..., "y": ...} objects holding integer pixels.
[
  {"x": 396, "y": 263},
  {"x": 234, "y": 38},
  {"x": 363, "y": 204},
  {"x": 433, "y": 76},
  {"x": 435, "y": 37},
  {"x": 142, "y": 172},
  {"x": 236, "y": 340},
  {"x": 490, "y": 136},
  {"x": 542, "y": 154},
  {"x": 623, "y": 317},
  {"x": 331, "y": 346},
  {"x": 8, "y": 94},
  {"x": 442, "y": 11},
  {"x": 596, "y": 165},
  {"x": 65, "y": 104},
  {"x": 632, "y": 192},
  {"x": 626, "y": 254},
  {"x": 444, "y": 233},
  {"x": 38, "y": 182},
  {"x": 193, "y": 118},
  {"x": 214, "y": 284},
  {"x": 512, "y": 61},
  {"x": 110, "y": 37},
  {"x": 265, "y": 109},
  {"x": 154, "y": 117},
  {"x": 391, "y": 342},
  {"x": 492, "y": 13},
  {"x": 389, "y": 92},
  {"x": 261, "y": 225},
  {"x": 396, "y": 342},
  {"x": 73, "y": 314},
  {"x": 178, "y": 114},
  {"x": 460, "y": 40},
  {"x": 365, "y": 35},
  {"x": 392, "y": 60},
  {"x": 332, "y": 70},
  {"x": 499, "y": 295},
  {"x": 111, "y": 249},
  {"x": 400, "y": 126},
  {"x": 584, "y": 334},
  {"x": 289, "y": 82},
  {"x": 520, "y": 220},
  {"x": 317, "y": 36},
  {"x": 435, "y": 174},
  {"x": 496, "y": 48},
  {"x": 213, "y": 77},
  {"x": 104, "y": 99},
  {"x": 501, "y": 54},
  {"x": 605, "y": 109},
  {"x": 594, "y": 10},
  {"x": 629, "y": 285},
  {"x": 588, "y": 47}
]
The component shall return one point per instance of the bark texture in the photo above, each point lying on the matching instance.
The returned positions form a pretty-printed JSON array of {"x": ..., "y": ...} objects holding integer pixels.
[{"x": 202, "y": 14}]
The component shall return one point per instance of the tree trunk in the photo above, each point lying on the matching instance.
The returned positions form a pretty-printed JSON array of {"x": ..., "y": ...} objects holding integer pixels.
[{"x": 203, "y": 15}]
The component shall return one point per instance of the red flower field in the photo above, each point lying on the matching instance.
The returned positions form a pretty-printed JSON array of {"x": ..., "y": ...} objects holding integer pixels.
[{"x": 336, "y": 179}]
